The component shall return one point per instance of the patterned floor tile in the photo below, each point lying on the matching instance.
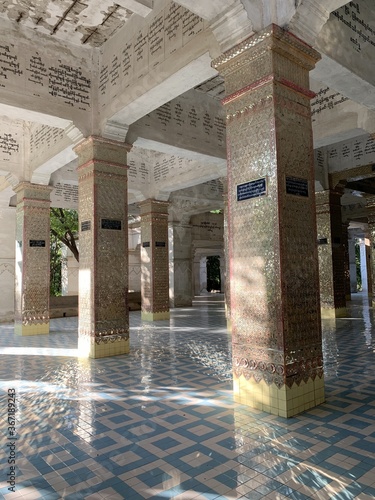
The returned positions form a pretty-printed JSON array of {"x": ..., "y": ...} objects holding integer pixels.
[{"x": 160, "y": 423}]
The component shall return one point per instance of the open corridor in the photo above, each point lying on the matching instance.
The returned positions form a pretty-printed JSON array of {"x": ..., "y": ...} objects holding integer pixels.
[{"x": 161, "y": 423}]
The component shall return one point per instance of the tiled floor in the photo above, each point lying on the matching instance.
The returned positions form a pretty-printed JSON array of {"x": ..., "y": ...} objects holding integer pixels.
[{"x": 160, "y": 423}]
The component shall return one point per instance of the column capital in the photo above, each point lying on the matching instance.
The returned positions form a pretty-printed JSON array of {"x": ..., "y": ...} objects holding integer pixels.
[
  {"x": 98, "y": 150},
  {"x": 154, "y": 206},
  {"x": 328, "y": 197},
  {"x": 271, "y": 38},
  {"x": 36, "y": 192}
]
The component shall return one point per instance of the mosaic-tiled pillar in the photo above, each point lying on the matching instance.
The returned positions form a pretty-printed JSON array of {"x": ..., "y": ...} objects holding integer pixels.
[
  {"x": 370, "y": 253},
  {"x": 32, "y": 259},
  {"x": 331, "y": 253},
  {"x": 352, "y": 264},
  {"x": 275, "y": 312},
  {"x": 154, "y": 260},
  {"x": 103, "y": 244},
  {"x": 345, "y": 242},
  {"x": 180, "y": 265},
  {"x": 365, "y": 264},
  {"x": 226, "y": 254}
]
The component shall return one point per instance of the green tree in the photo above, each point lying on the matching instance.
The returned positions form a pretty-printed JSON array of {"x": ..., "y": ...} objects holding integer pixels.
[
  {"x": 64, "y": 227},
  {"x": 55, "y": 266},
  {"x": 213, "y": 273},
  {"x": 358, "y": 265}
]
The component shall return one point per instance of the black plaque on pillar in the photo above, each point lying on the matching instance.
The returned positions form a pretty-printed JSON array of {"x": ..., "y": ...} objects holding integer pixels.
[
  {"x": 37, "y": 243},
  {"x": 86, "y": 225},
  {"x": 297, "y": 186},
  {"x": 146, "y": 244},
  {"x": 113, "y": 224},
  {"x": 252, "y": 189},
  {"x": 322, "y": 241},
  {"x": 160, "y": 244}
]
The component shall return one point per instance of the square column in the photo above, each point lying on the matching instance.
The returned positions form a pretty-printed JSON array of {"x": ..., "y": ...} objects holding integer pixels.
[
  {"x": 345, "y": 242},
  {"x": 352, "y": 264},
  {"x": 369, "y": 250},
  {"x": 154, "y": 260},
  {"x": 331, "y": 251},
  {"x": 103, "y": 241},
  {"x": 365, "y": 258},
  {"x": 7, "y": 262},
  {"x": 32, "y": 273},
  {"x": 226, "y": 255},
  {"x": 274, "y": 283},
  {"x": 180, "y": 265}
]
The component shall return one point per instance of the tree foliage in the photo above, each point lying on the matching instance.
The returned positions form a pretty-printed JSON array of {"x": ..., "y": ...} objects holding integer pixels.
[
  {"x": 55, "y": 266},
  {"x": 64, "y": 227},
  {"x": 213, "y": 273}
]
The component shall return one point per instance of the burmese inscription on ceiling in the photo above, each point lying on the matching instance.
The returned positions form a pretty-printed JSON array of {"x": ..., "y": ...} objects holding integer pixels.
[
  {"x": 347, "y": 154},
  {"x": 41, "y": 76},
  {"x": 349, "y": 37},
  {"x": 192, "y": 122},
  {"x": 45, "y": 142},
  {"x": 167, "y": 168},
  {"x": 10, "y": 143},
  {"x": 325, "y": 100},
  {"x": 138, "y": 53}
]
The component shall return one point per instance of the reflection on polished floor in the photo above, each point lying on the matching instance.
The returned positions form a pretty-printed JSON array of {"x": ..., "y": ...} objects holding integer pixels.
[{"x": 160, "y": 423}]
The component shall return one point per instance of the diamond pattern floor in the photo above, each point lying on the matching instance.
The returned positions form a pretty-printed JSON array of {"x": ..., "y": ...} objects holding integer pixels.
[{"x": 160, "y": 423}]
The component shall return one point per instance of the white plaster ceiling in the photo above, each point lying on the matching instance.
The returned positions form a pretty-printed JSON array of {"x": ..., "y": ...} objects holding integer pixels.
[{"x": 89, "y": 22}]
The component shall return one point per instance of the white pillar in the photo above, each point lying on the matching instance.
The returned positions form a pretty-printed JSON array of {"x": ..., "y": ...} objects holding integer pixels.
[
  {"x": 363, "y": 255},
  {"x": 69, "y": 273},
  {"x": 7, "y": 260},
  {"x": 203, "y": 275},
  {"x": 180, "y": 265},
  {"x": 352, "y": 265}
]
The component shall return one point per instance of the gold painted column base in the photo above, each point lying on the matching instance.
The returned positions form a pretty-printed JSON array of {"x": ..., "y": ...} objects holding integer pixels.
[
  {"x": 284, "y": 402},
  {"x": 27, "y": 330},
  {"x": 157, "y": 316},
  {"x": 331, "y": 313},
  {"x": 87, "y": 349}
]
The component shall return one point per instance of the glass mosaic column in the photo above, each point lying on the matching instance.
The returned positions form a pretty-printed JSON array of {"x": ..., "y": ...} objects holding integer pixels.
[
  {"x": 370, "y": 252},
  {"x": 352, "y": 264},
  {"x": 154, "y": 260},
  {"x": 103, "y": 241},
  {"x": 274, "y": 284},
  {"x": 180, "y": 265},
  {"x": 345, "y": 242},
  {"x": 331, "y": 251},
  {"x": 32, "y": 259},
  {"x": 226, "y": 255}
]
